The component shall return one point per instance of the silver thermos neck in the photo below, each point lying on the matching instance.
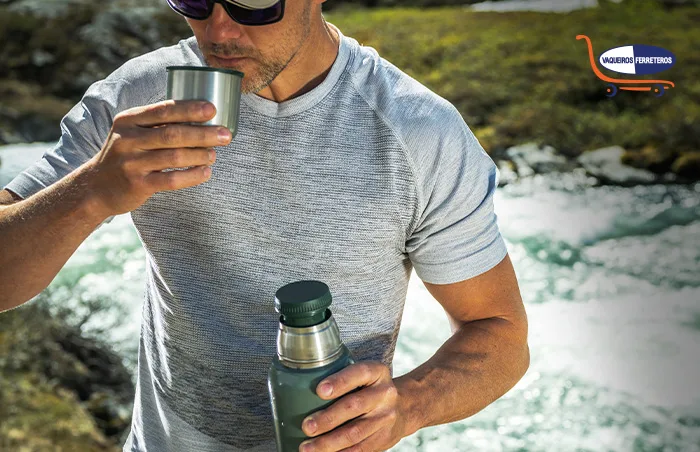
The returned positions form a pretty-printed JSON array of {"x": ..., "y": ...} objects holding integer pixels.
[{"x": 309, "y": 347}]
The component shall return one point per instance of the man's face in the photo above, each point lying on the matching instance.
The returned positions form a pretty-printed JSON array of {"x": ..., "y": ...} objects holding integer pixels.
[{"x": 267, "y": 49}]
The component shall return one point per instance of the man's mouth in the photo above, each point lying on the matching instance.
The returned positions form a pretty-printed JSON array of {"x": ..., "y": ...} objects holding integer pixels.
[{"x": 225, "y": 60}]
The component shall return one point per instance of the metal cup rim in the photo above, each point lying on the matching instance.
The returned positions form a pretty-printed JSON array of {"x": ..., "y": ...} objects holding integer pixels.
[{"x": 205, "y": 69}]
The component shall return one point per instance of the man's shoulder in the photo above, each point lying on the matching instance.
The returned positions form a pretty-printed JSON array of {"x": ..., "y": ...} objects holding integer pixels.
[
  {"x": 389, "y": 88},
  {"x": 422, "y": 119}
]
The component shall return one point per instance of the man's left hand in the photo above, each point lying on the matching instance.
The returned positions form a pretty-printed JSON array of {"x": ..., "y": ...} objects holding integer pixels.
[{"x": 376, "y": 422}]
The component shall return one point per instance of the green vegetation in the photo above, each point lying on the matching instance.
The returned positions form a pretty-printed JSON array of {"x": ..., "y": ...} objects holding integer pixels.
[
  {"x": 332, "y": 4},
  {"x": 519, "y": 77},
  {"x": 39, "y": 417},
  {"x": 516, "y": 77}
]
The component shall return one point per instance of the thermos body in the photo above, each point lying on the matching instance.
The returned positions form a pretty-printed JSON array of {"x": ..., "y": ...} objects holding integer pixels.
[
  {"x": 293, "y": 397},
  {"x": 309, "y": 349}
]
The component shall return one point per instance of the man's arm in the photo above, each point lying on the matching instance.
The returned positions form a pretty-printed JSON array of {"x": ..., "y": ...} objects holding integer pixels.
[
  {"x": 483, "y": 359},
  {"x": 39, "y": 234}
]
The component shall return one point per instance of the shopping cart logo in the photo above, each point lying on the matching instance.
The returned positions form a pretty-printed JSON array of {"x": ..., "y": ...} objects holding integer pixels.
[
  {"x": 633, "y": 59},
  {"x": 637, "y": 59}
]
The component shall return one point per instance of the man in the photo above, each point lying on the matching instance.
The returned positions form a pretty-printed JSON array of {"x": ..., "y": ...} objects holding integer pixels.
[{"x": 344, "y": 170}]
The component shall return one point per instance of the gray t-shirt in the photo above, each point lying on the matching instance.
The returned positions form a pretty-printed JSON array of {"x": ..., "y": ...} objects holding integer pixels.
[{"x": 354, "y": 183}]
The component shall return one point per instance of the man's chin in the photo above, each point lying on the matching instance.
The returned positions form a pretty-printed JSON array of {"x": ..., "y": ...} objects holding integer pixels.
[
  {"x": 253, "y": 88},
  {"x": 246, "y": 86},
  {"x": 251, "y": 82}
]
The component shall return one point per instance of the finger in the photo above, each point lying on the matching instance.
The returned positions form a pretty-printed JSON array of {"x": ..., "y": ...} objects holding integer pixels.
[
  {"x": 373, "y": 443},
  {"x": 175, "y": 180},
  {"x": 168, "y": 111},
  {"x": 159, "y": 159},
  {"x": 346, "y": 436},
  {"x": 182, "y": 135},
  {"x": 355, "y": 375},
  {"x": 344, "y": 409}
]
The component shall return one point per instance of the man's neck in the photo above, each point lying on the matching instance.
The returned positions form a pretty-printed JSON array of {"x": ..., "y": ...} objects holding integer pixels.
[{"x": 308, "y": 68}]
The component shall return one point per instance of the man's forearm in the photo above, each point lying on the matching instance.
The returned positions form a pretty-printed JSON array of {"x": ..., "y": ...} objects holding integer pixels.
[
  {"x": 477, "y": 365},
  {"x": 39, "y": 234}
]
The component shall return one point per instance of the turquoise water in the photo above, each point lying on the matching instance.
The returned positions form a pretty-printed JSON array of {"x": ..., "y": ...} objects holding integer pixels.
[{"x": 611, "y": 281}]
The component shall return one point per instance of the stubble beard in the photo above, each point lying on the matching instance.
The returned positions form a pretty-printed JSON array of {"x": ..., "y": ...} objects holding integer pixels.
[{"x": 267, "y": 70}]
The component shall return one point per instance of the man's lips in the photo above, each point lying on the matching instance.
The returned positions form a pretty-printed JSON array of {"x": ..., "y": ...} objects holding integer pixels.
[{"x": 228, "y": 60}]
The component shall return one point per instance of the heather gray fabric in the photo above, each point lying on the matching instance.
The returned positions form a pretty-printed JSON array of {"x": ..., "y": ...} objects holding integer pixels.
[{"x": 354, "y": 183}]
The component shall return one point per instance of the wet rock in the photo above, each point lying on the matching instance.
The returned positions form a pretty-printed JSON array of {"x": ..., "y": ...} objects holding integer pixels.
[
  {"x": 41, "y": 57},
  {"x": 688, "y": 165},
  {"x": 37, "y": 127},
  {"x": 110, "y": 414},
  {"x": 122, "y": 34},
  {"x": 506, "y": 173},
  {"x": 532, "y": 159},
  {"x": 655, "y": 159},
  {"x": 45, "y": 9},
  {"x": 605, "y": 164}
]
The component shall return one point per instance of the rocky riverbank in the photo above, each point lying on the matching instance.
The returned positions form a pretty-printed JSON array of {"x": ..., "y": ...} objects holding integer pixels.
[
  {"x": 605, "y": 166},
  {"x": 59, "y": 390}
]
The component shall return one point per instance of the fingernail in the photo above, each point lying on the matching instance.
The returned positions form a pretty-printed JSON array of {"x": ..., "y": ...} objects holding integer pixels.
[
  {"x": 224, "y": 135},
  {"x": 307, "y": 447},
  {"x": 208, "y": 109},
  {"x": 325, "y": 389},
  {"x": 310, "y": 426},
  {"x": 207, "y": 171},
  {"x": 212, "y": 156}
]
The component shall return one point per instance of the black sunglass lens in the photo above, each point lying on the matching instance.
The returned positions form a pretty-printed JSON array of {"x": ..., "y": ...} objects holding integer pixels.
[
  {"x": 200, "y": 9},
  {"x": 191, "y": 8},
  {"x": 247, "y": 16}
]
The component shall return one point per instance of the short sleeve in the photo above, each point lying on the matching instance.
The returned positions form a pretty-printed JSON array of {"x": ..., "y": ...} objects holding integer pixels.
[
  {"x": 455, "y": 235},
  {"x": 83, "y": 132}
]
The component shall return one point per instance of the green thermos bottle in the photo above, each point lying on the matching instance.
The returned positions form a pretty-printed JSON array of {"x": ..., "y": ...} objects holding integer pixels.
[{"x": 308, "y": 350}]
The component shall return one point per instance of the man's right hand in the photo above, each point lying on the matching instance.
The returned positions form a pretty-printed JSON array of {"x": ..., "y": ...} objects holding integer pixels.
[{"x": 145, "y": 140}]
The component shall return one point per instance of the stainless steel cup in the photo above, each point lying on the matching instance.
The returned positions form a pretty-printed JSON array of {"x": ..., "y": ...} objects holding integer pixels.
[{"x": 221, "y": 87}]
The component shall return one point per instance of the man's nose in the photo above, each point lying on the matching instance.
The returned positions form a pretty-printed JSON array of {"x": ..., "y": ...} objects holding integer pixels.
[{"x": 221, "y": 27}]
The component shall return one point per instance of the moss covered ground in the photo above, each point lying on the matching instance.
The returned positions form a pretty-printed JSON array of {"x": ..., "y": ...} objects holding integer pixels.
[{"x": 522, "y": 76}]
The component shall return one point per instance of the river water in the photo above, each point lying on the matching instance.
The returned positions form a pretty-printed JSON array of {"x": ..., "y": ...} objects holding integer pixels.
[{"x": 611, "y": 281}]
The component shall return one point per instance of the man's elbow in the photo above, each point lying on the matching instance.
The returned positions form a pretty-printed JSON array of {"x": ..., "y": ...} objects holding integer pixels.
[
  {"x": 524, "y": 362},
  {"x": 520, "y": 350},
  {"x": 514, "y": 366}
]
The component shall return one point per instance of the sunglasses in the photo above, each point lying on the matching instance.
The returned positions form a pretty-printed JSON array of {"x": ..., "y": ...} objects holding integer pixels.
[{"x": 245, "y": 12}]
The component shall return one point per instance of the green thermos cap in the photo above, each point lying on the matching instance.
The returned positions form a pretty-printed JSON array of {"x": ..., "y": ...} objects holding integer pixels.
[{"x": 303, "y": 303}]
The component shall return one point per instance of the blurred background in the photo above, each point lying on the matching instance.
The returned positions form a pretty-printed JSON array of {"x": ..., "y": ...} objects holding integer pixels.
[{"x": 598, "y": 199}]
